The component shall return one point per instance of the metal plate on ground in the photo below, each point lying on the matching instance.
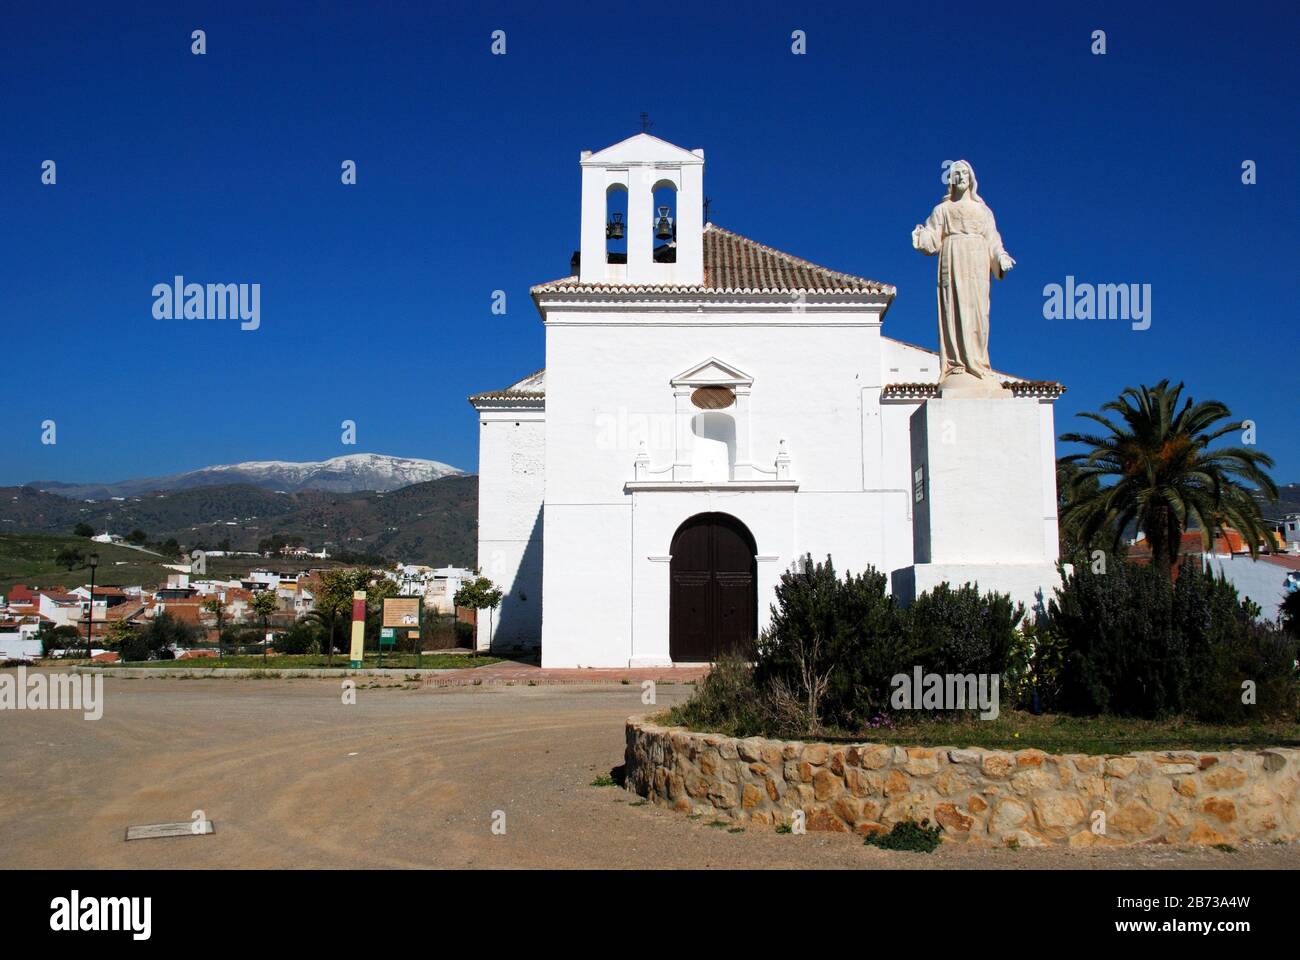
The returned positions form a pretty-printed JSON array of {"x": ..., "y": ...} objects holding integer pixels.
[{"x": 153, "y": 831}]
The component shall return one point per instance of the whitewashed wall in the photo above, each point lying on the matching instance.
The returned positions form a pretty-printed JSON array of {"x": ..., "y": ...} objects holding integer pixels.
[{"x": 512, "y": 451}]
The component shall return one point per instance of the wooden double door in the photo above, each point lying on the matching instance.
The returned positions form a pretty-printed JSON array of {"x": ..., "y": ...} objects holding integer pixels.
[{"x": 713, "y": 600}]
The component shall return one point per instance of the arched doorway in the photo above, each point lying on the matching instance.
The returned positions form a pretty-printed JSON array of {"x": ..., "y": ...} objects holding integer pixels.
[{"x": 713, "y": 597}]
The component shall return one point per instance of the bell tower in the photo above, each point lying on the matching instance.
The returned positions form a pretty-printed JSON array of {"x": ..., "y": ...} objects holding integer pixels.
[{"x": 660, "y": 237}]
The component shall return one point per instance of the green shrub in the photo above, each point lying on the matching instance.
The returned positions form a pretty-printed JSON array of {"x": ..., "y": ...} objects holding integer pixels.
[
  {"x": 1137, "y": 645},
  {"x": 726, "y": 700},
  {"x": 242, "y": 639},
  {"x": 299, "y": 638},
  {"x": 133, "y": 648},
  {"x": 464, "y": 634},
  {"x": 1121, "y": 654},
  {"x": 1034, "y": 671},
  {"x": 60, "y": 638},
  {"x": 907, "y": 835},
  {"x": 963, "y": 631},
  {"x": 832, "y": 647}
]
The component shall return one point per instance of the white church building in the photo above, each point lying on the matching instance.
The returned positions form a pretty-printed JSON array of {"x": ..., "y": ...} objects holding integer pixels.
[{"x": 712, "y": 410}]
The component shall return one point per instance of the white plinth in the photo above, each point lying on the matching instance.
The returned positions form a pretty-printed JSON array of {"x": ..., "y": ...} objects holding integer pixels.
[{"x": 984, "y": 496}]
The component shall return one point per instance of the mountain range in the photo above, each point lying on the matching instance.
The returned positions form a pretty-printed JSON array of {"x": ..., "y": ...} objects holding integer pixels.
[
  {"x": 434, "y": 522},
  {"x": 352, "y": 473}
]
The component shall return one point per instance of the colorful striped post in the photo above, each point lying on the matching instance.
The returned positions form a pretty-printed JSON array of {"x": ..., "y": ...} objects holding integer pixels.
[{"x": 358, "y": 628}]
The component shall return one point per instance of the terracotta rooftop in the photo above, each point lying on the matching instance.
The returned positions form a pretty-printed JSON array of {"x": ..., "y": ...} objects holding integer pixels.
[
  {"x": 736, "y": 264},
  {"x": 531, "y": 389}
]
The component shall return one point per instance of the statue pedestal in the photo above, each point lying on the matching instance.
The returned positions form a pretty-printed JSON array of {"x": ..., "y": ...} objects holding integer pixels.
[{"x": 983, "y": 496}]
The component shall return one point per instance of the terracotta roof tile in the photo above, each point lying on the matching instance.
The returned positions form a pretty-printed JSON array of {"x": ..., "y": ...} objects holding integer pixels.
[
  {"x": 530, "y": 389},
  {"x": 736, "y": 264}
]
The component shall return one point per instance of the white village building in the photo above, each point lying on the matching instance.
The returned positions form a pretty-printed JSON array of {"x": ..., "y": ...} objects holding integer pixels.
[{"x": 711, "y": 411}]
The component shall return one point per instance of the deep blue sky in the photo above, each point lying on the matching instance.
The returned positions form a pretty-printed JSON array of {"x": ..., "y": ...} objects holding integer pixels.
[{"x": 376, "y": 298}]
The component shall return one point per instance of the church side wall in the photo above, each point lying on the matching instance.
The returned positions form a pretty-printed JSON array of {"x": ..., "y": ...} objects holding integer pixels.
[{"x": 512, "y": 451}]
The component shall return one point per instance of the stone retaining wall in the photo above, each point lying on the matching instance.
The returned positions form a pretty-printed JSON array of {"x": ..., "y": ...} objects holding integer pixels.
[{"x": 984, "y": 797}]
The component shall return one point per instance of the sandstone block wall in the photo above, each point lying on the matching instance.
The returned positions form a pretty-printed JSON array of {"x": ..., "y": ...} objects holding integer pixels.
[{"x": 986, "y": 797}]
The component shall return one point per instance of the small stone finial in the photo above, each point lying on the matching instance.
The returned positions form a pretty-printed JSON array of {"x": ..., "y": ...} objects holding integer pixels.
[
  {"x": 641, "y": 465},
  {"x": 782, "y": 460}
]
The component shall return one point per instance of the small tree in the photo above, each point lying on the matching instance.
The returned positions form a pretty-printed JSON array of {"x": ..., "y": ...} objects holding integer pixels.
[
  {"x": 69, "y": 558},
  {"x": 264, "y": 604},
  {"x": 218, "y": 610},
  {"x": 57, "y": 638},
  {"x": 480, "y": 594},
  {"x": 137, "y": 537},
  {"x": 83, "y": 530},
  {"x": 163, "y": 634}
]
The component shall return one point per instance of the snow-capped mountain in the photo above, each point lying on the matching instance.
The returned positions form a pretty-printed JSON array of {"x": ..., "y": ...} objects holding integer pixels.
[{"x": 347, "y": 474}]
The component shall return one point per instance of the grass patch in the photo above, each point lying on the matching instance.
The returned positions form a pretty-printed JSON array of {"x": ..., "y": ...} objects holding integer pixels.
[
  {"x": 397, "y": 661},
  {"x": 604, "y": 780},
  {"x": 907, "y": 835},
  {"x": 1017, "y": 730},
  {"x": 1225, "y": 848}
]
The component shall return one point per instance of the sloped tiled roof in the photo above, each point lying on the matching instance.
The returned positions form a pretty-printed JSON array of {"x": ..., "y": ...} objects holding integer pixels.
[
  {"x": 530, "y": 388},
  {"x": 736, "y": 264}
]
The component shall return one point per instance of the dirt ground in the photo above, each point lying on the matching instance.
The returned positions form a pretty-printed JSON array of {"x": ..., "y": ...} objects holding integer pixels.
[{"x": 409, "y": 776}]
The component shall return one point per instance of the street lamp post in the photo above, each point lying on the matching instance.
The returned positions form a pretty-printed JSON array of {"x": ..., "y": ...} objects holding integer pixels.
[{"x": 90, "y": 615}]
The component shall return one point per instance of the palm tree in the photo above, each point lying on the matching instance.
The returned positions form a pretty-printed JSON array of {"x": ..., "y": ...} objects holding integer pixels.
[
  {"x": 325, "y": 617},
  {"x": 1157, "y": 470}
]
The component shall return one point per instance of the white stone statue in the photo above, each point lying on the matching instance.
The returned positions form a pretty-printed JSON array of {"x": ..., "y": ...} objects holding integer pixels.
[{"x": 961, "y": 230}]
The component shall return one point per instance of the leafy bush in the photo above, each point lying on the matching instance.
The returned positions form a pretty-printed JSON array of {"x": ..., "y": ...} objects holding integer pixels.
[
  {"x": 1137, "y": 645},
  {"x": 1127, "y": 643},
  {"x": 133, "y": 648},
  {"x": 301, "y": 637},
  {"x": 1121, "y": 655},
  {"x": 165, "y": 632},
  {"x": 1037, "y": 659},
  {"x": 1290, "y": 614},
  {"x": 832, "y": 646},
  {"x": 242, "y": 639},
  {"x": 60, "y": 638},
  {"x": 964, "y": 631},
  {"x": 464, "y": 634},
  {"x": 907, "y": 835},
  {"x": 155, "y": 641},
  {"x": 726, "y": 700}
]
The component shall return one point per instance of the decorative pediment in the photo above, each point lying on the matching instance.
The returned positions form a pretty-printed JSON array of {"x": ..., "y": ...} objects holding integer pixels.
[
  {"x": 712, "y": 373},
  {"x": 643, "y": 148}
]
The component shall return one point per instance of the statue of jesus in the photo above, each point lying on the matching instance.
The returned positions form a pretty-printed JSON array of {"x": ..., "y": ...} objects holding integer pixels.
[{"x": 961, "y": 230}]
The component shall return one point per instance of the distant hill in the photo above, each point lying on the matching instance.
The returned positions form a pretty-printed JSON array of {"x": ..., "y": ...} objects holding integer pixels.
[
  {"x": 32, "y": 559},
  {"x": 1288, "y": 501},
  {"x": 353, "y": 473},
  {"x": 433, "y": 522}
]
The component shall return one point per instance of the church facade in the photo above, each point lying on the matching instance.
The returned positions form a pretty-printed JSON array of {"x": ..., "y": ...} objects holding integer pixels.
[{"x": 711, "y": 411}]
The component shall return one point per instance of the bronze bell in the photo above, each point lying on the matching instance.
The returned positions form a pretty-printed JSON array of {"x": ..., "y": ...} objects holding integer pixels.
[
  {"x": 614, "y": 229},
  {"x": 664, "y": 225}
]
